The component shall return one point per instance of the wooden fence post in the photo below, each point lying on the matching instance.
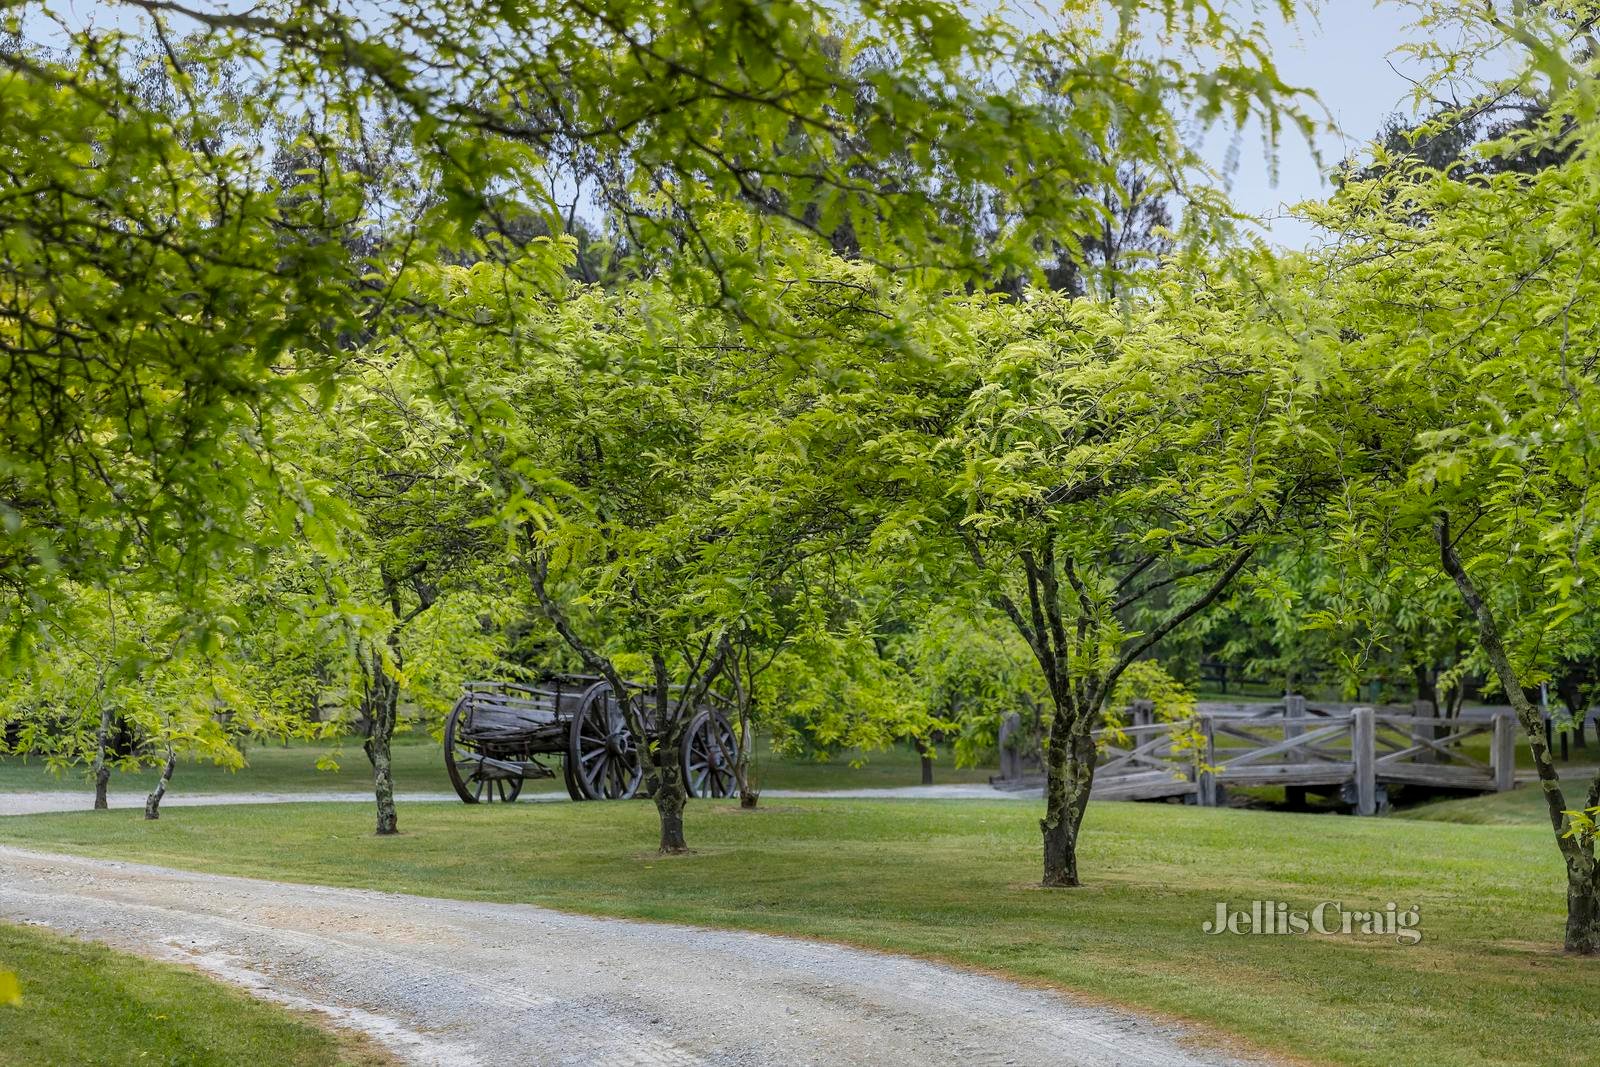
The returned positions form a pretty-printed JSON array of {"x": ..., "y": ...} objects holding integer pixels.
[
  {"x": 1294, "y": 711},
  {"x": 1010, "y": 757},
  {"x": 1503, "y": 759},
  {"x": 1206, "y": 778},
  {"x": 1363, "y": 750},
  {"x": 1425, "y": 709}
]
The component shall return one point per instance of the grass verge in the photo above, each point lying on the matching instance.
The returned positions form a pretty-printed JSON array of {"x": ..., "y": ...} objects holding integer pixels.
[
  {"x": 83, "y": 1003},
  {"x": 956, "y": 881}
]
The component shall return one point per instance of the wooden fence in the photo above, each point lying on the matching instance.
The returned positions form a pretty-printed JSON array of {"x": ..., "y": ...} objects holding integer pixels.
[{"x": 1353, "y": 753}]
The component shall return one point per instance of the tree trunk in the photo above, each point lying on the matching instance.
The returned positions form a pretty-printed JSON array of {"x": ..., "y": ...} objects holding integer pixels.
[
  {"x": 748, "y": 795},
  {"x": 1427, "y": 685},
  {"x": 671, "y": 796},
  {"x": 1583, "y": 912},
  {"x": 925, "y": 750},
  {"x": 383, "y": 703},
  {"x": 102, "y": 770},
  {"x": 152, "y": 803},
  {"x": 665, "y": 755},
  {"x": 743, "y": 697},
  {"x": 1583, "y": 879},
  {"x": 1069, "y": 775}
]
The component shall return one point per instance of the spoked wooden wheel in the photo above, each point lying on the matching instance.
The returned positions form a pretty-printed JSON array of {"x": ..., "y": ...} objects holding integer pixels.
[
  {"x": 476, "y": 780},
  {"x": 602, "y": 756},
  {"x": 708, "y": 755}
]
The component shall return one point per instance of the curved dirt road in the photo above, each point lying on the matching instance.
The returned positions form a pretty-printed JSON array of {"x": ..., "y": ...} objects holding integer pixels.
[{"x": 455, "y": 982}]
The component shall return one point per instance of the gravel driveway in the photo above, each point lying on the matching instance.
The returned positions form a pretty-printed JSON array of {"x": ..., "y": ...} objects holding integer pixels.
[{"x": 455, "y": 982}]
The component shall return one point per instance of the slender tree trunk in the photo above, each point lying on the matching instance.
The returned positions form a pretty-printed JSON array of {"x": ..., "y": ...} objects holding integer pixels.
[
  {"x": 748, "y": 795},
  {"x": 102, "y": 769},
  {"x": 1427, "y": 686},
  {"x": 152, "y": 803},
  {"x": 383, "y": 708},
  {"x": 743, "y": 697},
  {"x": 1583, "y": 879},
  {"x": 925, "y": 750}
]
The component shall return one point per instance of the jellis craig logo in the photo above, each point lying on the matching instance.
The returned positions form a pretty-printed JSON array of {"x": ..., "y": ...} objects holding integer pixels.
[{"x": 1329, "y": 917}]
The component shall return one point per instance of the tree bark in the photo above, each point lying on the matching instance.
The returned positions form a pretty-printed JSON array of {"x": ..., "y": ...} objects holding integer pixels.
[
  {"x": 1069, "y": 776},
  {"x": 670, "y": 801},
  {"x": 1583, "y": 879},
  {"x": 152, "y": 803},
  {"x": 666, "y": 761},
  {"x": 383, "y": 707},
  {"x": 670, "y": 793},
  {"x": 102, "y": 769}
]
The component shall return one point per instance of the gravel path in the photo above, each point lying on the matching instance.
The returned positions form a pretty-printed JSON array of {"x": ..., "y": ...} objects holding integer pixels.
[
  {"x": 455, "y": 982},
  {"x": 34, "y": 802}
]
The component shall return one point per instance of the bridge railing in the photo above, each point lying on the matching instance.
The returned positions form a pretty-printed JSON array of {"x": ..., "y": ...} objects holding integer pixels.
[{"x": 1356, "y": 752}]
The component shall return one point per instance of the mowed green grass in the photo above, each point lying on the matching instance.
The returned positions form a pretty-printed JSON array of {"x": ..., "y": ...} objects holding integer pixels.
[
  {"x": 84, "y": 1004},
  {"x": 958, "y": 881},
  {"x": 419, "y": 768}
]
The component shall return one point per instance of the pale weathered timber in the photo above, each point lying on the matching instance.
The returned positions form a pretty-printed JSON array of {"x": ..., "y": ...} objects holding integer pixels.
[{"x": 1353, "y": 751}]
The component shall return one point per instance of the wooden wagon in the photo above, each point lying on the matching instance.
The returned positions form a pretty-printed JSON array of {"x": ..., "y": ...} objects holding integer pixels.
[{"x": 499, "y": 734}]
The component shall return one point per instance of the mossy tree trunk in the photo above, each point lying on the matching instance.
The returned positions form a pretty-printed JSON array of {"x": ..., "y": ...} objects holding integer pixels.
[
  {"x": 382, "y": 709},
  {"x": 666, "y": 761}
]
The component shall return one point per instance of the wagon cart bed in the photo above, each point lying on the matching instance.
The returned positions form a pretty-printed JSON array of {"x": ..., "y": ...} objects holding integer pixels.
[{"x": 499, "y": 734}]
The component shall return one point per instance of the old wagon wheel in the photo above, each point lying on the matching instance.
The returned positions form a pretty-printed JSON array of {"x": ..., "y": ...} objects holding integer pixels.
[
  {"x": 602, "y": 754},
  {"x": 708, "y": 754},
  {"x": 476, "y": 781}
]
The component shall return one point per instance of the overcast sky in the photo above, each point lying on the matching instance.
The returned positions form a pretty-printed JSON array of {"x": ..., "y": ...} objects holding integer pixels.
[{"x": 1344, "y": 57}]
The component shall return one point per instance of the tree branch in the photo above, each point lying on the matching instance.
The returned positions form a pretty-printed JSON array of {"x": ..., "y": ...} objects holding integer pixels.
[{"x": 1172, "y": 622}]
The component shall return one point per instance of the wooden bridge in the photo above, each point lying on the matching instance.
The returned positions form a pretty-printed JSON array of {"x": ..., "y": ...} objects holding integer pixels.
[{"x": 1354, "y": 753}]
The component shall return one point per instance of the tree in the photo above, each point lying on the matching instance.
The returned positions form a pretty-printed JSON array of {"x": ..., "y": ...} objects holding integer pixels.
[
  {"x": 966, "y": 670},
  {"x": 410, "y": 532},
  {"x": 169, "y": 289},
  {"x": 1461, "y": 307},
  {"x": 153, "y": 282},
  {"x": 125, "y": 685},
  {"x": 1097, "y": 478},
  {"x": 608, "y": 423}
]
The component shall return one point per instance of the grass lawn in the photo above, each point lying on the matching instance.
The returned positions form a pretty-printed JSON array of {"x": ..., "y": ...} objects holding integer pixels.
[
  {"x": 419, "y": 768},
  {"x": 956, "y": 880},
  {"x": 82, "y": 1003}
]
